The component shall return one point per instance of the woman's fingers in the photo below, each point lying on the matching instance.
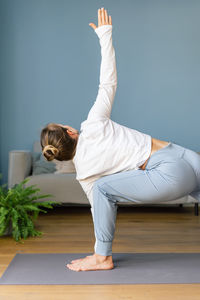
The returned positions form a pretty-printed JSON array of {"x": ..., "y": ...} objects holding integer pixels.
[
  {"x": 93, "y": 25},
  {"x": 106, "y": 17},
  {"x": 103, "y": 18},
  {"x": 99, "y": 17}
]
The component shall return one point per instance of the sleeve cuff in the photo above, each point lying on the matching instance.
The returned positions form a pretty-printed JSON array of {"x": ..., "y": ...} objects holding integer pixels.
[
  {"x": 103, "y": 248},
  {"x": 101, "y": 30}
]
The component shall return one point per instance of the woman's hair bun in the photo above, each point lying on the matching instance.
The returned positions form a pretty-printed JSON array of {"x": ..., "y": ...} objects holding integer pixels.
[{"x": 50, "y": 152}]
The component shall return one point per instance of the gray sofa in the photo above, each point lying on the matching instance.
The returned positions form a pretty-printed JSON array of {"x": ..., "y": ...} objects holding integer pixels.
[{"x": 65, "y": 188}]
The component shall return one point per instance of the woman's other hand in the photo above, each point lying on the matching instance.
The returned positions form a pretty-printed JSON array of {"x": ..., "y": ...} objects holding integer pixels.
[{"x": 103, "y": 18}]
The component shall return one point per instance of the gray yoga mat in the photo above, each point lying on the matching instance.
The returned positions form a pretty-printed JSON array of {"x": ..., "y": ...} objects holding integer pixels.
[{"x": 130, "y": 268}]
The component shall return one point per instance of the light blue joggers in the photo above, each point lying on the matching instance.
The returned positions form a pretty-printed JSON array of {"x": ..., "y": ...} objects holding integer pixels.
[{"x": 171, "y": 172}]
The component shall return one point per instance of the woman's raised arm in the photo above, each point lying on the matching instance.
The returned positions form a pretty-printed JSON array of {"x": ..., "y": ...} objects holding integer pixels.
[{"x": 108, "y": 74}]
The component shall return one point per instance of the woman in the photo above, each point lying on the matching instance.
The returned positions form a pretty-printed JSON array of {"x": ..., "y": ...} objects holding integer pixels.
[{"x": 141, "y": 169}]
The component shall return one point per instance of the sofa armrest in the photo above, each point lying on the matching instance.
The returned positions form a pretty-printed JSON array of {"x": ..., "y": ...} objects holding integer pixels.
[{"x": 19, "y": 166}]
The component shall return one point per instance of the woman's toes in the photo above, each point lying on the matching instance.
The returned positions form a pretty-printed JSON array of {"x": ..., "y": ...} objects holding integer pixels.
[
  {"x": 73, "y": 267},
  {"x": 77, "y": 260},
  {"x": 70, "y": 267}
]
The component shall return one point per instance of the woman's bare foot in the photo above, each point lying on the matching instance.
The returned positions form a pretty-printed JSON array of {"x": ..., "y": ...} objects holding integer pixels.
[
  {"x": 92, "y": 263},
  {"x": 78, "y": 260}
]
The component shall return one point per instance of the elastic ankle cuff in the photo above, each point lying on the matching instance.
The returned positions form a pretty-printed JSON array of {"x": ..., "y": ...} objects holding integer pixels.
[{"x": 103, "y": 248}]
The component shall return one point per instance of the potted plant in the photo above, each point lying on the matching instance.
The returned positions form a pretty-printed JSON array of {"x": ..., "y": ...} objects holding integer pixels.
[{"x": 18, "y": 210}]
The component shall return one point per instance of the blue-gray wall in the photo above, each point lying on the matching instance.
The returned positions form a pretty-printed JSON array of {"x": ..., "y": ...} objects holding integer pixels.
[{"x": 50, "y": 59}]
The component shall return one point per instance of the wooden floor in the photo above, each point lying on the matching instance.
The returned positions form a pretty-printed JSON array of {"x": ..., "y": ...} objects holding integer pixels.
[{"x": 138, "y": 229}]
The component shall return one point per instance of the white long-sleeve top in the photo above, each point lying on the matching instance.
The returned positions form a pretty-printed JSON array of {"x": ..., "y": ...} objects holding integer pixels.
[{"x": 105, "y": 147}]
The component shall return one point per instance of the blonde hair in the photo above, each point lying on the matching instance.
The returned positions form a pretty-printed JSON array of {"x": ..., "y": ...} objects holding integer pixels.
[{"x": 56, "y": 143}]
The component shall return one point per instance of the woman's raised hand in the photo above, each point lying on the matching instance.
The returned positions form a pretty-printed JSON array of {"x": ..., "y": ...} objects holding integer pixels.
[{"x": 103, "y": 18}]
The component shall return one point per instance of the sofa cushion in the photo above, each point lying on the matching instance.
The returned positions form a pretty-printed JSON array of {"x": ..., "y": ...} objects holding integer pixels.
[
  {"x": 40, "y": 165},
  {"x": 64, "y": 166},
  {"x": 64, "y": 187}
]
